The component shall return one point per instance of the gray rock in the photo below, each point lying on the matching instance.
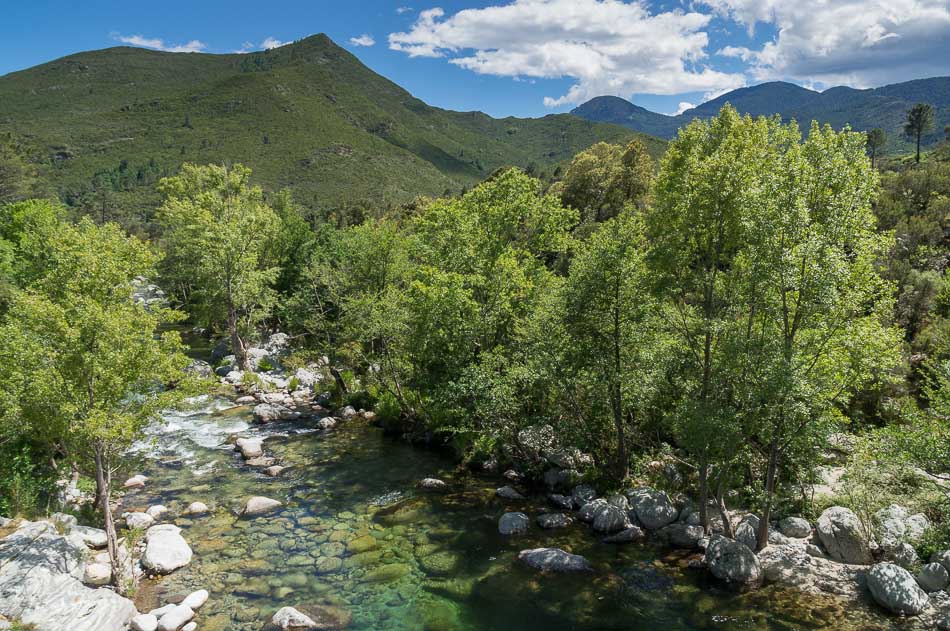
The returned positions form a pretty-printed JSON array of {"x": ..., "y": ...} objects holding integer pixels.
[
  {"x": 432, "y": 484},
  {"x": 307, "y": 378},
  {"x": 508, "y": 493},
  {"x": 554, "y": 560},
  {"x": 270, "y": 412},
  {"x": 95, "y": 538},
  {"x": 747, "y": 532},
  {"x": 144, "y": 622},
  {"x": 933, "y": 577},
  {"x": 289, "y": 619},
  {"x": 165, "y": 549},
  {"x": 895, "y": 589},
  {"x": 98, "y": 574},
  {"x": 41, "y": 574},
  {"x": 582, "y": 494},
  {"x": 653, "y": 508},
  {"x": 156, "y": 512},
  {"x": 905, "y": 556},
  {"x": 64, "y": 522},
  {"x": 554, "y": 520},
  {"x": 175, "y": 619},
  {"x": 138, "y": 521},
  {"x": 589, "y": 510},
  {"x": 628, "y": 535},
  {"x": 195, "y": 600},
  {"x": 513, "y": 524},
  {"x": 259, "y": 505},
  {"x": 620, "y": 501},
  {"x": 943, "y": 558},
  {"x": 250, "y": 447},
  {"x": 609, "y": 518},
  {"x": 842, "y": 535},
  {"x": 536, "y": 440},
  {"x": 197, "y": 508},
  {"x": 135, "y": 482},
  {"x": 199, "y": 368},
  {"x": 561, "y": 501},
  {"x": 732, "y": 562},
  {"x": 795, "y": 527},
  {"x": 682, "y": 535},
  {"x": 895, "y": 525}
]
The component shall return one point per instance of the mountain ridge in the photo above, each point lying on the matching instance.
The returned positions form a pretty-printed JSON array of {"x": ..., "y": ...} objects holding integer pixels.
[
  {"x": 863, "y": 109},
  {"x": 308, "y": 116}
]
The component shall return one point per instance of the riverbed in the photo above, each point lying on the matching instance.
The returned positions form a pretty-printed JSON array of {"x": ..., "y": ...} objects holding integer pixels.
[{"x": 357, "y": 540}]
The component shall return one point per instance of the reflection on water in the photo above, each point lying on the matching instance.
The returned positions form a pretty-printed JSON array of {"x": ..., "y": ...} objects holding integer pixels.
[{"x": 359, "y": 545}]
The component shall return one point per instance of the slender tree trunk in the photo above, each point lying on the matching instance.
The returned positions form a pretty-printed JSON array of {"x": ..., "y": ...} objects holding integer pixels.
[
  {"x": 237, "y": 344},
  {"x": 104, "y": 490},
  {"x": 762, "y": 535},
  {"x": 723, "y": 511},
  {"x": 918, "y": 147},
  {"x": 623, "y": 461},
  {"x": 704, "y": 494}
]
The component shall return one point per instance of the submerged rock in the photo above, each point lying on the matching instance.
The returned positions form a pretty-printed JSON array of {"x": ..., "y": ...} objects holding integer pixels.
[
  {"x": 259, "y": 505},
  {"x": 508, "y": 493},
  {"x": 895, "y": 589},
  {"x": 842, "y": 535},
  {"x": 554, "y": 560}
]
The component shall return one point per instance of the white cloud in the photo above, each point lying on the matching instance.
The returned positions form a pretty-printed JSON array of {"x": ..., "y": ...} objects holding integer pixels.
[
  {"x": 856, "y": 42},
  {"x": 193, "y": 46},
  {"x": 272, "y": 42},
  {"x": 401, "y": 10},
  {"x": 683, "y": 106},
  {"x": 606, "y": 46},
  {"x": 363, "y": 40}
]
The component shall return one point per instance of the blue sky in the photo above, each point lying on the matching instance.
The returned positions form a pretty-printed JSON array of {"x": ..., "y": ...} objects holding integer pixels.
[{"x": 529, "y": 57}]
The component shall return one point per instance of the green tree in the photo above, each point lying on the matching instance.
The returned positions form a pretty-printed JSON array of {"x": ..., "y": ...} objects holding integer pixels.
[
  {"x": 876, "y": 141},
  {"x": 608, "y": 312},
  {"x": 920, "y": 120},
  {"x": 83, "y": 363},
  {"x": 18, "y": 178},
  {"x": 601, "y": 180},
  {"x": 217, "y": 229}
]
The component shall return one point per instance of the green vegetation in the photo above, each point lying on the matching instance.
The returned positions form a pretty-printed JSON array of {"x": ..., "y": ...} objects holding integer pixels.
[
  {"x": 920, "y": 120},
  {"x": 105, "y": 126}
]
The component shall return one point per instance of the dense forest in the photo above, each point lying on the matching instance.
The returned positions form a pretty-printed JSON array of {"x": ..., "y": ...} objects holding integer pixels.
[{"x": 713, "y": 323}]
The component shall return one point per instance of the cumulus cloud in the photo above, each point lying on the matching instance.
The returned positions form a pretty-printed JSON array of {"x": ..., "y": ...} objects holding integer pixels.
[
  {"x": 272, "y": 42},
  {"x": 683, "y": 106},
  {"x": 193, "y": 46},
  {"x": 363, "y": 40},
  {"x": 856, "y": 42},
  {"x": 605, "y": 46}
]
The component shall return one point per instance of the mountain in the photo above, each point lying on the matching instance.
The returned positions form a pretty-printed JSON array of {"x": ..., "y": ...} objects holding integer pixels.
[
  {"x": 308, "y": 116},
  {"x": 884, "y": 107}
]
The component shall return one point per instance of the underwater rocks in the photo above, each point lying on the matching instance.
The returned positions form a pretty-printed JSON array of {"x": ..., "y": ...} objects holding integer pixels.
[
  {"x": 513, "y": 524},
  {"x": 554, "y": 560}
]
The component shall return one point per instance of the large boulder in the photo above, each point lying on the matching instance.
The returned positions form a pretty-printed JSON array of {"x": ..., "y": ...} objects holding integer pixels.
[
  {"x": 250, "y": 447},
  {"x": 805, "y": 568},
  {"x": 609, "y": 518},
  {"x": 549, "y": 521},
  {"x": 513, "y": 524},
  {"x": 554, "y": 560},
  {"x": 747, "y": 532},
  {"x": 270, "y": 412},
  {"x": 654, "y": 509},
  {"x": 165, "y": 549},
  {"x": 733, "y": 562},
  {"x": 587, "y": 512},
  {"x": 41, "y": 574},
  {"x": 682, "y": 535},
  {"x": 582, "y": 494},
  {"x": 842, "y": 535},
  {"x": 795, "y": 527},
  {"x": 895, "y": 589}
]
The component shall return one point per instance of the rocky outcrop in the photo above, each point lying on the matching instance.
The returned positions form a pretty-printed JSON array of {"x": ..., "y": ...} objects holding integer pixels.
[
  {"x": 41, "y": 573},
  {"x": 895, "y": 589},
  {"x": 554, "y": 560},
  {"x": 843, "y": 536},
  {"x": 165, "y": 549},
  {"x": 803, "y": 567},
  {"x": 733, "y": 562}
]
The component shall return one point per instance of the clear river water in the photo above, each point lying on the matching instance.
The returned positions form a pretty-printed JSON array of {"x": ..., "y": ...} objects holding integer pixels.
[{"x": 357, "y": 542}]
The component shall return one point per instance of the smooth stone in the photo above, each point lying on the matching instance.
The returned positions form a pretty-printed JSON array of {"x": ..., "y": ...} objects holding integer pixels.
[
  {"x": 196, "y": 599},
  {"x": 933, "y": 577},
  {"x": 554, "y": 560},
  {"x": 289, "y": 619},
  {"x": 259, "y": 505},
  {"x": 386, "y": 573},
  {"x": 508, "y": 493},
  {"x": 795, "y": 527},
  {"x": 97, "y": 574},
  {"x": 156, "y": 511},
  {"x": 895, "y": 589},
  {"x": 138, "y": 521},
  {"x": 196, "y": 508},
  {"x": 629, "y": 535},
  {"x": 176, "y": 618},
  {"x": 94, "y": 538},
  {"x": 513, "y": 524},
  {"x": 432, "y": 484},
  {"x": 144, "y": 622},
  {"x": 165, "y": 549},
  {"x": 842, "y": 535}
]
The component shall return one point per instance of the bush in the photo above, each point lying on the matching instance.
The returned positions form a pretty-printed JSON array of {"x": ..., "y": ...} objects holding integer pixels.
[
  {"x": 265, "y": 365},
  {"x": 23, "y": 483}
]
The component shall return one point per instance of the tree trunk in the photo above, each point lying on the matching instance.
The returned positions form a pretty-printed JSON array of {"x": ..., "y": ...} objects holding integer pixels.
[
  {"x": 918, "y": 147},
  {"x": 762, "y": 536},
  {"x": 237, "y": 344},
  {"x": 723, "y": 511},
  {"x": 704, "y": 494},
  {"x": 623, "y": 461},
  {"x": 340, "y": 384},
  {"x": 104, "y": 490}
]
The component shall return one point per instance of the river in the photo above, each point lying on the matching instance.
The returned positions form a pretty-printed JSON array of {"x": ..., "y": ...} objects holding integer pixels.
[{"x": 356, "y": 539}]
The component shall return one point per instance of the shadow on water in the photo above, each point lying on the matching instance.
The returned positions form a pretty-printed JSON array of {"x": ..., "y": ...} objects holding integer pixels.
[{"x": 359, "y": 545}]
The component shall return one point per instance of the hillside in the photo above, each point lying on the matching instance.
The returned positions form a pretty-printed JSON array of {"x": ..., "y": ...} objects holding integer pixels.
[
  {"x": 308, "y": 116},
  {"x": 884, "y": 107}
]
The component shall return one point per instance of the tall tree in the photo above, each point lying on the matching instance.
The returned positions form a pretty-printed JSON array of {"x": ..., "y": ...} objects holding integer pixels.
[
  {"x": 607, "y": 314},
  {"x": 920, "y": 120},
  {"x": 83, "y": 363},
  {"x": 876, "y": 141},
  {"x": 603, "y": 179},
  {"x": 217, "y": 232}
]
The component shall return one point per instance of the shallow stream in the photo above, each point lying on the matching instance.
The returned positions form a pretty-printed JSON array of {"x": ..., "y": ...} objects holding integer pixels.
[{"x": 358, "y": 542}]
